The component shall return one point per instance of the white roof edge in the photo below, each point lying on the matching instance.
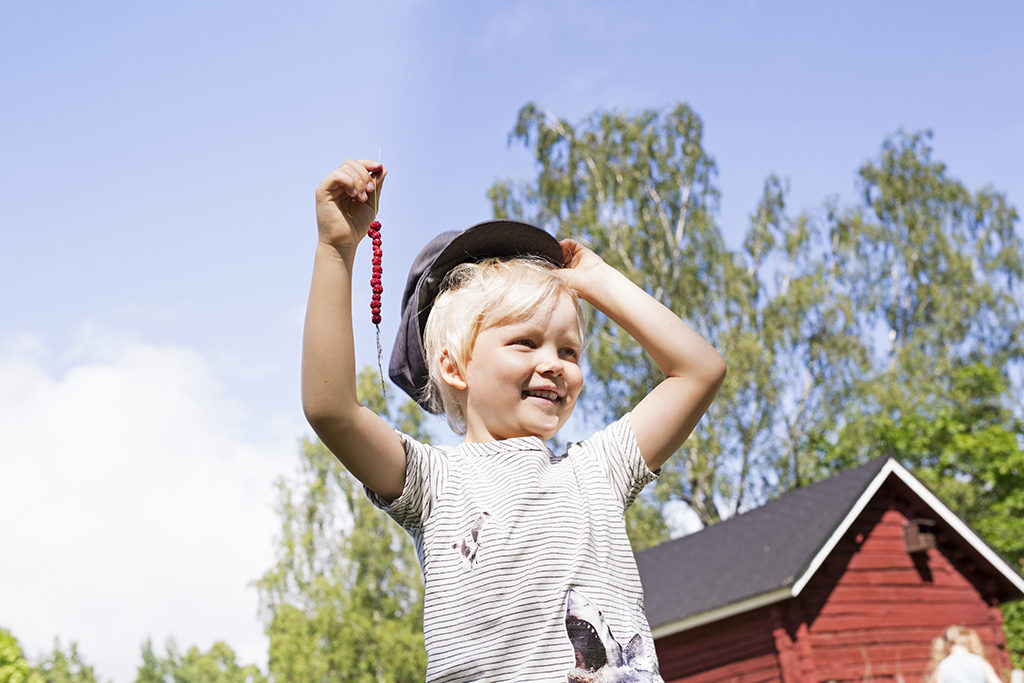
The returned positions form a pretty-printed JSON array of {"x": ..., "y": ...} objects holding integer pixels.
[
  {"x": 843, "y": 526},
  {"x": 722, "y": 612},
  {"x": 959, "y": 526}
]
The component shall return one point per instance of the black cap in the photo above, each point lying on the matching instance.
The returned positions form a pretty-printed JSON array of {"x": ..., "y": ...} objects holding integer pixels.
[{"x": 490, "y": 239}]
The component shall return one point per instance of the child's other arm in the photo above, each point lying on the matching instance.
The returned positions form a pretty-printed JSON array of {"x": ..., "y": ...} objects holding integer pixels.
[
  {"x": 693, "y": 369},
  {"x": 345, "y": 205}
]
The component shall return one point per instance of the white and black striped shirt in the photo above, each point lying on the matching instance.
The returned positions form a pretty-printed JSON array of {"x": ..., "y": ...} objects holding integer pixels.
[{"x": 504, "y": 531}]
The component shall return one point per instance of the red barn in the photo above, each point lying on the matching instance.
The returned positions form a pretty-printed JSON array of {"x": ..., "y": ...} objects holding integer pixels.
[{"x": 848, "y": 579}]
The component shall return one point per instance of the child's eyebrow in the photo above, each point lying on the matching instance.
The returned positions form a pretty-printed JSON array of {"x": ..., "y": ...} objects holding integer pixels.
[
  {"x": 517, "y": 325},
  {"x": 520, "y": 330}
]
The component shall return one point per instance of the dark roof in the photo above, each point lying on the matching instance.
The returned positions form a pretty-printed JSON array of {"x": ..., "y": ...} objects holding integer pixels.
[{"x": 713, "y": 567}]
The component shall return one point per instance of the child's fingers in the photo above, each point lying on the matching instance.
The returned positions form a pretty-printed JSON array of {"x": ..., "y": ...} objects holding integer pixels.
[
  {"x": 571, "y": 251},
  {"x": 371, "y": 167},
  {"x": 342, "y": 181},
  {"x": 353, "y": 180},
  {"x": 374, "y": 170},
  {"x": 369, "y": 176},
  {"x": 348, "y": 180},
  {"x": 378, "y": 182}
]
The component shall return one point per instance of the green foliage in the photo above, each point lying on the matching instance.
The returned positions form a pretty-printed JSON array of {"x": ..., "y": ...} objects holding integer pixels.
[
  {"x": 14, "y": 668},
  {"x": 344, "y": 601},
  {"x": 218, "y": 665},
  {"x": 65, "y": 667},
  {"x": 903, "y": 302},
  {"x": 1013, "y": 624}
]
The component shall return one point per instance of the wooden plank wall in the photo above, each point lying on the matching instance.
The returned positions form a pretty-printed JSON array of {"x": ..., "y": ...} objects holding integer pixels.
[
  {"x": 873, "y": 609},
  {"x": 732, "y": 650}
]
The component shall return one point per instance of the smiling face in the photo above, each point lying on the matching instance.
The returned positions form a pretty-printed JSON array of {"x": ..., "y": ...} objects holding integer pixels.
[
  {"x": 523, "y": 377},
  {"x": 476, "y": 296}
]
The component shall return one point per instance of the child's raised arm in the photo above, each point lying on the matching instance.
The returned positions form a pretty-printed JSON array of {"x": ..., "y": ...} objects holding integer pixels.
[
  {"x": 346, "y": 202},
  {"x": 693, "y": 369}
]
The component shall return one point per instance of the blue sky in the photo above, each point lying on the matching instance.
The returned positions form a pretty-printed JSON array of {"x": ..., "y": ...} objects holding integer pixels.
[{"x": 157, "y": 230}]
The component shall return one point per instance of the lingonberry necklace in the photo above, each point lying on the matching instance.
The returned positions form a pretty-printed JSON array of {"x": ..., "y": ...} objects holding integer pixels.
[{"x": 376, "y": 284}]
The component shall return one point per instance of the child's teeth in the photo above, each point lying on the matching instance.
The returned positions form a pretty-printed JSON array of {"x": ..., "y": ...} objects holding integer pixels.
[{"x": 550, "y": 395}]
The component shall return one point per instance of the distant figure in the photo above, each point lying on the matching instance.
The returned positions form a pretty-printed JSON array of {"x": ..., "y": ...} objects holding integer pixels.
[{"x": 963, "y": 659}]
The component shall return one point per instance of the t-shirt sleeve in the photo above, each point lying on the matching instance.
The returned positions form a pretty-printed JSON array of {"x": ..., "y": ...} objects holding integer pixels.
[
  {"x": 615, "y": 447},
  {"x": 425, "y": 469}
]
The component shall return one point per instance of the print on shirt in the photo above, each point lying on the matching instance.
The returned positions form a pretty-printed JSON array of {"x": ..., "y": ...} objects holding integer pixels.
[
  {"x": 599, "y": 657},
  {"x": 469, "y": 546}
]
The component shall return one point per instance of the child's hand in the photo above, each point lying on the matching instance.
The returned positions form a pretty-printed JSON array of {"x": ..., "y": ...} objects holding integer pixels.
[
  {"x": 346, "y": 202},
  {"x": 582, "y": 267}
]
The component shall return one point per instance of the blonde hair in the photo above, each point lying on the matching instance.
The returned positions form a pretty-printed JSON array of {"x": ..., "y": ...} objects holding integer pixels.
[
  {"x": 965, "y": 637},
  {"x": 478, "y": 295}
]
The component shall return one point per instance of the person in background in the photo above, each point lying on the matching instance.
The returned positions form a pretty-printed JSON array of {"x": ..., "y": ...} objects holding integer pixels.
[{"x": 962, "y": 658}]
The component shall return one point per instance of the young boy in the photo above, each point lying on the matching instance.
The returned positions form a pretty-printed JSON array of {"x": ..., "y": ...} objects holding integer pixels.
[{"x": 528, "y": 571}]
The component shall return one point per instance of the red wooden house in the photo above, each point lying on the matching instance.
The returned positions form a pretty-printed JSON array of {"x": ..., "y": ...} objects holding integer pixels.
[{"x": 848, "y": 579}]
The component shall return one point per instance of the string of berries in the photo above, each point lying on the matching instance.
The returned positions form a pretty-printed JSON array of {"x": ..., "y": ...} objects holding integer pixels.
[
  {"x": 375, "y": 279},
  {"x": 375, "y": 282},
  {"x": 378, "y": 288}
]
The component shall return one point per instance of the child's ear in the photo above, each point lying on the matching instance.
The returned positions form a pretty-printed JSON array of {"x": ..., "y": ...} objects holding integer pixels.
[{"x": 450, "y": 373}]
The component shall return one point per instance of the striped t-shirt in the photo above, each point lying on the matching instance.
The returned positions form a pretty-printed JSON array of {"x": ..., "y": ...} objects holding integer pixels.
[{"x": 528, "y": 571}]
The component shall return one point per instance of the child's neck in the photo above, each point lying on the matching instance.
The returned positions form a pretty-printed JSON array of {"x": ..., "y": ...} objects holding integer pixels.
[{"x": 486, "y": 436}]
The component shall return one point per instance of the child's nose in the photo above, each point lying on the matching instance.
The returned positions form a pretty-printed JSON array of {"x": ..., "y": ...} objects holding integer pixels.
[{"x": 549, "y": 364}]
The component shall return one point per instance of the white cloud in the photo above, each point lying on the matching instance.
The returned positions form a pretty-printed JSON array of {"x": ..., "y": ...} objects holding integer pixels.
[{"x": 136, "y": 501}]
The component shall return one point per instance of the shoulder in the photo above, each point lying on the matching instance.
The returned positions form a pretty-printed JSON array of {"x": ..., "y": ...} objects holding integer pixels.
[
  {"x": 412, "y": 445},
  {"x": 615, "y": 439},
  {"x": 614, "y": 450},
  {"x": 619, "y": 429},
  {"x": 426, "y": 467}
]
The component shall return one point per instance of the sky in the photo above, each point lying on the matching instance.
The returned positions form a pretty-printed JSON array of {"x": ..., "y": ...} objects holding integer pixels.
[{"x": 157, "y": 232}]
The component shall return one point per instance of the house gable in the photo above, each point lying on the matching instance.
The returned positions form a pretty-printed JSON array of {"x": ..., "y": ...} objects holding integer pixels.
[{"x": 869, "y": 610}]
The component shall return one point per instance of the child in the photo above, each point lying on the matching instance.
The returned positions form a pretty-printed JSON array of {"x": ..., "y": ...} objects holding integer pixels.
[{"x": 528, "y": 571}]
